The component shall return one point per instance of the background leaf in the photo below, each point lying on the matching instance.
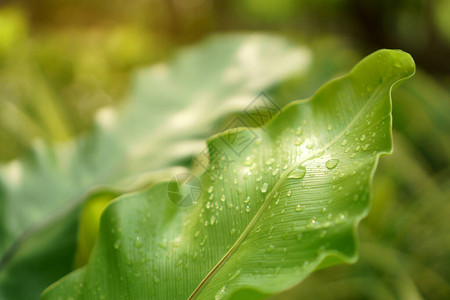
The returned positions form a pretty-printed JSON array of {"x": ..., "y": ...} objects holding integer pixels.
[{"x": 299, "y": 191}]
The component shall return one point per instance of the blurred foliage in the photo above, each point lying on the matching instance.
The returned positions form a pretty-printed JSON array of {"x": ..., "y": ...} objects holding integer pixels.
[
  {"x": 60, "y": 61},
  {"x": 53, "y": 81}
]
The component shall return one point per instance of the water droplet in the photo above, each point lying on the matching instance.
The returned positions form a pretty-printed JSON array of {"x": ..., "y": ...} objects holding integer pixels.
[
  {"x": 138, "y": 242},
  {"x": 213, "y": 219},
  {"x": 298, "y": 141},
  {"x": 270, "y": 248},
  {"x": 117, "y": 244},
  {"x": 365, "y": 147},
  {"x": 299, "y": 236},
  {"x": 289, "y": 193},
  {"x": 229, "y": 204},
  {"x": 275, "y": 172},
  {"x": 298, "y": 173},
  {"x": 247, "y": 200},
  {"x": 247, "y": 208},
  {"x": 340, "y": 218},
  {"x": 196, "y": 234},
  {"x": 344, "y": 142},
  {"x": 363, "y": 138},
  {"x": 210, "y": 189},
  {"x": 299, "y": 207},
  {"x": 223, "y": 198},
  {"x": 264, "y": 187},
  {"x": 235, "y": 275},
  {"x": 298, "y": 131},
  {"x": 312, "y": 223},
  {"x": 221, "y": 294},
  {"x": 332, "y": 163}
]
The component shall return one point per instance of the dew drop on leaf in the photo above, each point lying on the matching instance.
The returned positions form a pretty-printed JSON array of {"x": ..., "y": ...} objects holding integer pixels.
[
  {"x": 298, "y": 207},
  {"x": 270, "y": 248},
  {"x": 340, "y": 218},
  {"x": 138, "y": 242},
  {"x": 235, "y": 275},
  {"x": 298, "y": 141},
  {"x": 275, "y": 172},
  {"x": 332, "y": 163},
  {"x": 264, "y": 187},
  {"x": 117, "y": 244},
  {"x": 298, "y": 173}
]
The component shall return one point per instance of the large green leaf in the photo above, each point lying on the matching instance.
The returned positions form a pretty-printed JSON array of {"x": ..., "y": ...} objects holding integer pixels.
[
  {"x": 173, "y": 105},
  {"x": 278, "y": 202}
]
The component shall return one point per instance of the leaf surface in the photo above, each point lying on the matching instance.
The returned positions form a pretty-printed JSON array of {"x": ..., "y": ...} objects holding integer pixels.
[
  {"x": 174, "y": 105},
  {"x": 277, "y": 202}
]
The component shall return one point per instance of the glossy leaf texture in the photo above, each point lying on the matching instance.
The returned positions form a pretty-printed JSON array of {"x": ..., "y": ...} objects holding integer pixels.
[{"x": 277, "y": 203}]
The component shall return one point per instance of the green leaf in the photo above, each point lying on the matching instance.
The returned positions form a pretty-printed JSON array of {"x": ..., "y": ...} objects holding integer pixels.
[
  {"x": 173, "y": 105},
  {"x": 270, "y": 213}
]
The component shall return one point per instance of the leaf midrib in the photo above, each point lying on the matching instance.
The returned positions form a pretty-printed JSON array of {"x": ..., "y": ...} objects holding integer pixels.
[{"x": 275, "y": 187}]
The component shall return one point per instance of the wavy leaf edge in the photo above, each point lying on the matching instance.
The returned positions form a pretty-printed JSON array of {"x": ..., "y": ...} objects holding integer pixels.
[{"x": 321, "y": 261}]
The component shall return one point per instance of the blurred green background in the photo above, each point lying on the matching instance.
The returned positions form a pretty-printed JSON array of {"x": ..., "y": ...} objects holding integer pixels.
[{"x": 61, "y": 61}]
